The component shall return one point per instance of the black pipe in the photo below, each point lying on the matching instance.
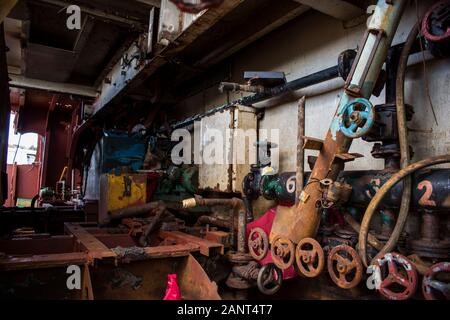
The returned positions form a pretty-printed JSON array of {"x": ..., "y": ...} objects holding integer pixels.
[
  {"x": 431, "y": 189},
  {"x": 295, "y": 85}
]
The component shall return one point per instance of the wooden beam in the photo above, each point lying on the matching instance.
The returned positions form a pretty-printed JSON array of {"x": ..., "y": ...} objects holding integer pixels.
[
  {"x": 55, "y": 87},
  {"x": 94, "y": 247},
  {"x": 206, "y": 246},
  {"x": 5, "y": 8},
  {"x": 338, "y": 9},
  {"x": 43, "y": 261},
  {"x": 179, "y": 250}
]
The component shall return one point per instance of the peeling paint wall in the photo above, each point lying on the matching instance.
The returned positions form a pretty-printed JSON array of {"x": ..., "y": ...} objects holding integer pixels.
[{"x": 312, "y": 43}]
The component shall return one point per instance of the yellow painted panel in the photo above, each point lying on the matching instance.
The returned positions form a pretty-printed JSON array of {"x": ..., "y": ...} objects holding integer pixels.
[{"x": 118, "y": 197}]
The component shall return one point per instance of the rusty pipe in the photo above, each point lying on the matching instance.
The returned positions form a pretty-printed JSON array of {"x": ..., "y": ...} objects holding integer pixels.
[
  {"x": 236, "y": 87},
  {"x": 396, "y": 178},
  {"x": 357, "y": 227},
  {"x": 214, "y": 221},
  {"x": 160, "y": 210},
  {"x": 300, "y": 173},
  {"x": 133, "y": 211},
  {"x": 239, "y": 213}
]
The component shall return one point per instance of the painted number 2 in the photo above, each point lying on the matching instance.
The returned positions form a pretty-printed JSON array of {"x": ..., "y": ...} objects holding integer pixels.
[{"x": 425, "y": 199}]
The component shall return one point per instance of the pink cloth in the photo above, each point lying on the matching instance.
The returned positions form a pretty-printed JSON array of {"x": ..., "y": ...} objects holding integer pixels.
[
  {"x": 265, "y": 222},
  {"x": 173, "y": 290}
]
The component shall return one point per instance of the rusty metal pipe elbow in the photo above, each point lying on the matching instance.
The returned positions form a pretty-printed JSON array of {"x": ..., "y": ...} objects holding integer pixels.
[{"x": 239, "y": 213}]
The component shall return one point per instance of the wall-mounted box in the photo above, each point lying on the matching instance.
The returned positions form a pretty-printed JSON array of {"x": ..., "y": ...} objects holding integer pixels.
[{"x": 238, "y": 128}]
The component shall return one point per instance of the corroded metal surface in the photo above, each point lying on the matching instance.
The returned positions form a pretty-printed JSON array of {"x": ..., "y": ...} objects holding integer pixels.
[
  {"x": 436, "y": 282},
  {"x": 258, "y": 244},
  {"x": 396, "y": 271},
  {"x": 283, "y": 253},
  {"x": 309, "y": 257},
  {"x": 345, "y": 267},
  {"x": 305, "y": 220}
]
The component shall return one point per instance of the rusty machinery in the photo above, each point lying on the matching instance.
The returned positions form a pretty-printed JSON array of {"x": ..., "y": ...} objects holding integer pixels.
[
  {"x": 327, "y": 188},
  {"x": 354, "y": 118}
]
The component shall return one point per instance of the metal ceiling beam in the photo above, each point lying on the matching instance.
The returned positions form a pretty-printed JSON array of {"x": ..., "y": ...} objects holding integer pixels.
[
  {"x": 338, "y": 9},
  {"x": 100, "y": 14},
  {"x": 124, "y": 81},
  {"x": 153, "y": 3},
  {"x": 56, "y": 87},
  {"x": 230, "y": 48},
  {"x": 5, "y": 8}
]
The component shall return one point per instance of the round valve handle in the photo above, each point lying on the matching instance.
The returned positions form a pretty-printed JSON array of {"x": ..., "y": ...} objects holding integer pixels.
[
  {"x": 283, "y": 252},
  {"x": 258, "y": 244},
  {"x": 309, "y": 257},
  {"x": 357, "y": 118},
  {"x": 395, "y": 269},
  {"x": 345, "y": 266},
  {"x": 434, "y": 288},
  {"x": 270, "y": 279}
]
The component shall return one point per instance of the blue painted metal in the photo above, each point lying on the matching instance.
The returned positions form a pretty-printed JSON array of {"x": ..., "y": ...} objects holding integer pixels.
[
  {"x": 119, "y": 150},
  {"x": 350, "y": 126}
]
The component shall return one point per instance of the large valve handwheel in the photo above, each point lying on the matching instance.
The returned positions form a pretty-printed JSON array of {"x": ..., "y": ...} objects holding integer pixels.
[
  {"x": 309, "y": 257},
  {"x": 436, "y": 282},
  {"x": 357, "y": 118},
  {"x": 258, "y": 244},
  {"x": 283, "y": 253},
  {"x": 270, "y": 279},
  {"x": 397, "y": 276},
  {"x": 345, "y": 267}
]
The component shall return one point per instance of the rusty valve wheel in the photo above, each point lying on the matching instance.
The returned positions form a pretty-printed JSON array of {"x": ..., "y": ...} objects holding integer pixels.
[
  {"x": 397, "y": 277},
  {"x": 258, "y": 244},
  {"x": 345, "y": 267},
  {"x": 309, "y": 257},
  {"x": 283, "y": 253},
  {"x": 436, "y": 282},
  {"x": 270, "y": 279}
]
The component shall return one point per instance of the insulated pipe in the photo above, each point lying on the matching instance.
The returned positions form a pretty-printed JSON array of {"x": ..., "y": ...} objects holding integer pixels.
[{"x": 396, "y": 178}]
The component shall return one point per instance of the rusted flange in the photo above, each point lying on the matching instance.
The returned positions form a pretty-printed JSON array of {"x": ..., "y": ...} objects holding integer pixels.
[
  {"x": 283, "y": 253},
  {"x": 309, "y": 257},
  {"x": 270, "y": 279},
  {"x": 435, "y": 285},
  {"x": 258, "y": 244},
  {"x": 397, "y": 276},
  {"x": 345, "y": 267}
]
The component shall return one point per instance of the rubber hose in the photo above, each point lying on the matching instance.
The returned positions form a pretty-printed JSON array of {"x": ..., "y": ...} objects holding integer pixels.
[{"x": 396, "y": 178}]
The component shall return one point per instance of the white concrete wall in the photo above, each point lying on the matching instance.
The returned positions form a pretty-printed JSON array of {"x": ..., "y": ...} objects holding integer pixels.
[{"x": 312, "y": 43}]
